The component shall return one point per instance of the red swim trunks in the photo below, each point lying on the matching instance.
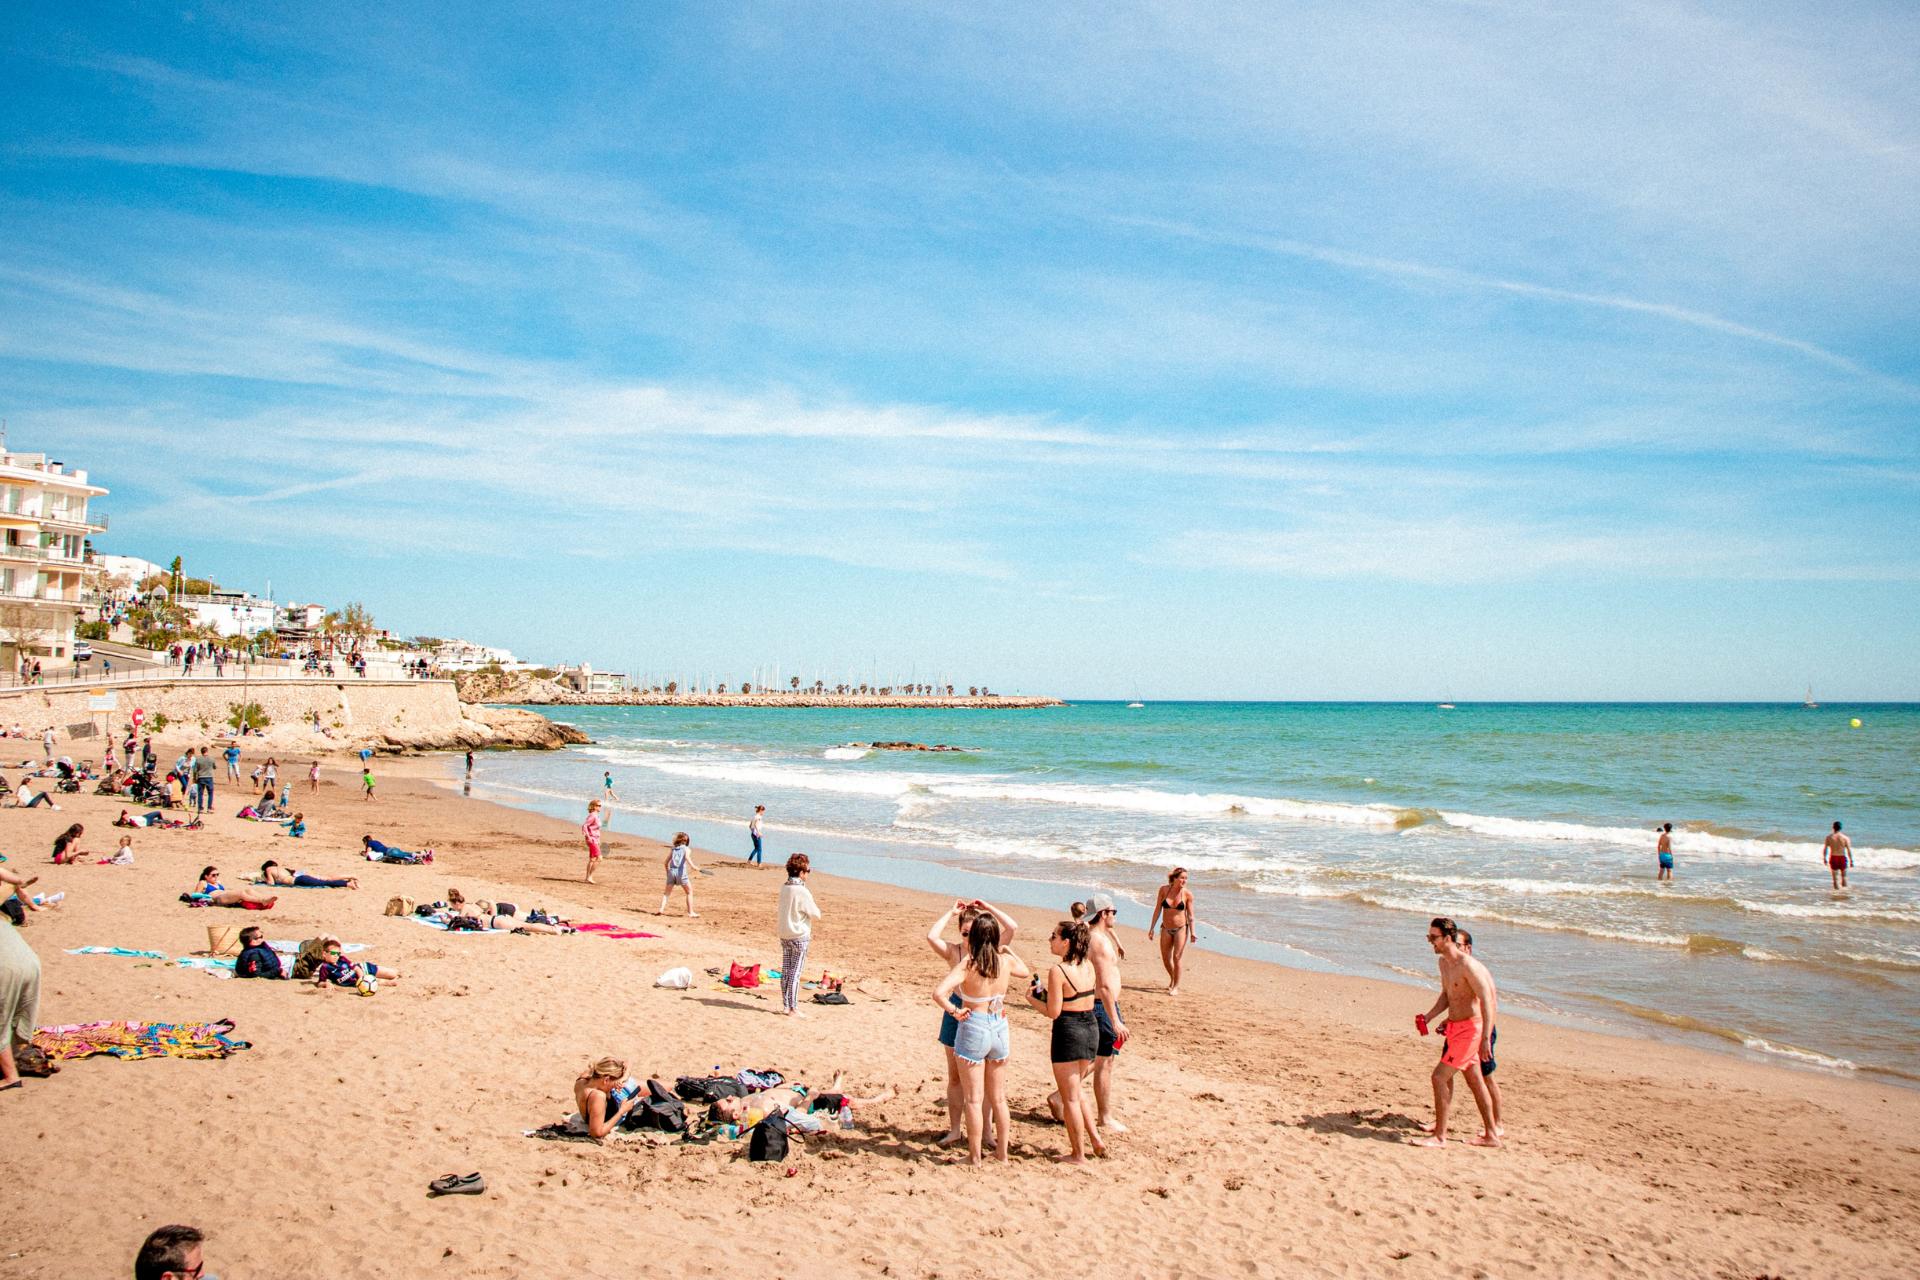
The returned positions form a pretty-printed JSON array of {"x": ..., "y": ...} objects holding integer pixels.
[
  {"x": 1838, "y": 862},
  {"x": 1463, "y": 1043}
]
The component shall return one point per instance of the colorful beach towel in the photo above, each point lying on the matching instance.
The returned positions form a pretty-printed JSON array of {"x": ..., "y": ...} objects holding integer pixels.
[
  {"x": 116, "y": 951},
  {"x": 612, "y": 931},
  {"x": 139, "y": 1040},
  {"x": 222, "y": 966}
]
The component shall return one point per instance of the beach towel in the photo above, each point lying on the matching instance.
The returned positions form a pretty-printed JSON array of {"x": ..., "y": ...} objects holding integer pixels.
[
  {"x": 612, "y": 930},
  {"x": 441, "y": 925},
  {"x": 574, "y": 1129},
  {"x": 222, "y": 966},
  {"x": 134, "y": 1040},
  {"x": 115, "y": 951}
]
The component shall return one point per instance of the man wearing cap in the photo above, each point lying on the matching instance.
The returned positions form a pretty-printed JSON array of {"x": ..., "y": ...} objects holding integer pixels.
[{"x": 1104, "y": 950}]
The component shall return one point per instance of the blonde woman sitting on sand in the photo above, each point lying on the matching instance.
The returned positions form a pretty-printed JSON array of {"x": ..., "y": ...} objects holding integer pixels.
[
  {"x": 980, "y": 980},
  {"x": 604, "y": 1093}
]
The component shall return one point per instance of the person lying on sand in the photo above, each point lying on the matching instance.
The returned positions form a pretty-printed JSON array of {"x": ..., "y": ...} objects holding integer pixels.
[
  {"x": 211, "y": 893},
  {"x": 272, "y": 872},
  {"x": 256, "y": 958},
  {"x": 804, "y": 1110},
  {"x": 336, "y": 970},
  {"x": 379, "y": 851}
]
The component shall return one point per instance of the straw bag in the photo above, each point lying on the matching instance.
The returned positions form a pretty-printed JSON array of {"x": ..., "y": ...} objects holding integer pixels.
[
  {"x": 223, "y": 940},
  {"x": 399, "y": 906}
]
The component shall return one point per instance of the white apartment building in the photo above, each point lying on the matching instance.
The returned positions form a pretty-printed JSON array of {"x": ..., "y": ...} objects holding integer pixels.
[
  {"x": 46, "y": 578},
  {"x": 231, "y": 613}
]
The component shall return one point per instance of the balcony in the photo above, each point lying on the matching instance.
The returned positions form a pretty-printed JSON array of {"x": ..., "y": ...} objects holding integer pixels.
[
  {"x": 92, "y": 521},
  {"x": 48, "y": 555}
]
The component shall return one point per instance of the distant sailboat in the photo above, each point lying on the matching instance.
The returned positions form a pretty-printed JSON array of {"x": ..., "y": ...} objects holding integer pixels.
[
  {"x": 1135, "y": 705},
  {"x": 1810, "y": 704},
  {"x": 1447, "y": 705}
]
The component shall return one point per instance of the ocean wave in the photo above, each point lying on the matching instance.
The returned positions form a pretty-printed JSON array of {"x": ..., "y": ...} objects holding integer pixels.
[
  {"x": 1684, "y": 842},
  {"x": 846, "y": 753},
  {"x": 920, "y": 789},
  {"x": 1808, "y": 1056},
  {"x": 1824, "y": 911}
]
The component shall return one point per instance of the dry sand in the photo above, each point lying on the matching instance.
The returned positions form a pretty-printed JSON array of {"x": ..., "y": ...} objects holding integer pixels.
[{"x": 1268, "y": 1107}]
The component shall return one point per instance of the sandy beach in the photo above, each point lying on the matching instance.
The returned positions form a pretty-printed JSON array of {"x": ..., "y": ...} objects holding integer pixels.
[{"x": 1268, "y": 1107}]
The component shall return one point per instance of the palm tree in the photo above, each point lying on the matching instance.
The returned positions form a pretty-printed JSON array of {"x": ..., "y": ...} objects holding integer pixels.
[{"x": 795, "y": 684}]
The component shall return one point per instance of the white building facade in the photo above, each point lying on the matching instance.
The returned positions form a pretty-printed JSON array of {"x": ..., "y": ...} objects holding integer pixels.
[
  {"x": 47, "y": 577},
  {"x": 231, "y": 613}
]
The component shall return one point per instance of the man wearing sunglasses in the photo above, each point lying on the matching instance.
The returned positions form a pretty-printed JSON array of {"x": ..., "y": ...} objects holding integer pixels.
[
  {"x": 172, "y": 1253},
  {"x": 1469, "y": 1032}
]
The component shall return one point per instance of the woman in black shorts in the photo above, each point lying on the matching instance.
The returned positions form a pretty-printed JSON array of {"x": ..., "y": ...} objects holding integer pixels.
[{"x": 1066, "y": 996}]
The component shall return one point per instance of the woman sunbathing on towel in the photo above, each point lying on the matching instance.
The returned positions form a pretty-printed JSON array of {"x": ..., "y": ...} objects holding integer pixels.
[
  {"x": 212, "y": 893},
  {"x": 273, "y": 873}
]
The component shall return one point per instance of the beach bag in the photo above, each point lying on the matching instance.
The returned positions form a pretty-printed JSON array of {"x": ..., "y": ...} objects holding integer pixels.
[
  {"x": 312, "y": 953},
  {"x": 708, "y": 1089},
  {"x": 769, "y": 1139},
  {"x": 739, "y": 975},
  {"x": 677, "y": 979},
  {"x": 399, "y": 906},
  {"x": 660, "y": 1111},
  {"x": 223, "y": 940}
]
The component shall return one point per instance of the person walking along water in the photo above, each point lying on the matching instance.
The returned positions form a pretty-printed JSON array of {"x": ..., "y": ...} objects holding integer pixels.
[{"x": 753, "y": 829}]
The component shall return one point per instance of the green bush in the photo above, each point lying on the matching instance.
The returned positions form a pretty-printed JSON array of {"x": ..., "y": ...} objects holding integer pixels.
[
  {"x": 95, "y": 630},
  {"x": 248, "y": 715},
  {"x": 157, "y": 722}
]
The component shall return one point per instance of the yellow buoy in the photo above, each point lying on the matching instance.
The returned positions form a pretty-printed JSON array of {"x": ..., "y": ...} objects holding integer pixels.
[{"x": 1855, "y": 723}]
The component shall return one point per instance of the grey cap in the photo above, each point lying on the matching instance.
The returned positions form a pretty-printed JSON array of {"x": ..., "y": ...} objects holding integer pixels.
[{"x": 1098, "y": 902}]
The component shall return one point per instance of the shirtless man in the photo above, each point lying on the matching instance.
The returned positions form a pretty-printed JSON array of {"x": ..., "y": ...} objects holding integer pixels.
[
  {"x": 1838, "y": 854},
  {"x": 1485, "y": 1068},
  {"x": 1664, "y": 847},
  {"x": 1469, "y": 997},
  {"x": 1104, "y": 950}
]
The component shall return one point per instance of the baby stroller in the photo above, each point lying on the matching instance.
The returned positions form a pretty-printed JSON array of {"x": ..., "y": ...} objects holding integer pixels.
[
  {"x": 142, "y": 788},
  {"x": 67, "y": 781}
]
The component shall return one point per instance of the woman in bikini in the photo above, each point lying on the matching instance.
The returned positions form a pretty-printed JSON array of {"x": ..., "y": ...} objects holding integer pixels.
[
  {"x": 980, "y": 980},
  {"x": 215, "y": 894},
  {"x": 1067, "y": 998},
  {"x": 604, "y": 1094},
  {"x": 1175, "y": 902}
]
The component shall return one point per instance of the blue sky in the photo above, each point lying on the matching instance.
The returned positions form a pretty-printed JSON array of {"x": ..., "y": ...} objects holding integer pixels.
[{"x": 1323, "y": 350}]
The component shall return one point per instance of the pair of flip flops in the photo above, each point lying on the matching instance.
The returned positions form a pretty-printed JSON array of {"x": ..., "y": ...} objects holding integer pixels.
[{"x": 455, "y": 1185}]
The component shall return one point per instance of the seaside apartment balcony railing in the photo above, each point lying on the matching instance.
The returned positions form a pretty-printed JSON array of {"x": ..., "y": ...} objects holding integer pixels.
[
  {"x": 236, "y": 674},
  {"x": 25, "y": 551},
  {"x": 91, "y": 521}
]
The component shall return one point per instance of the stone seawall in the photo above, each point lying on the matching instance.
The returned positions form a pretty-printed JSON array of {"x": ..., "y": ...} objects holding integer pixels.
[{"x": 389, "y": 715}]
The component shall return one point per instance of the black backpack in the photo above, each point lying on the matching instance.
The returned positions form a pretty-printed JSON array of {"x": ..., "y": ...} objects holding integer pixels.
[
  {"x": 659, "y": 1110},
  {"x": 709, "y": 1089},
  {"x": 769, "y": 1138}
]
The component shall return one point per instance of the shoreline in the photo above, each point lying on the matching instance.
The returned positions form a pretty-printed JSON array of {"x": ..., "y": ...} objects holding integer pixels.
[
  {"x": 1269, "y": 1105},
  {"x": 901, "y": 863}
]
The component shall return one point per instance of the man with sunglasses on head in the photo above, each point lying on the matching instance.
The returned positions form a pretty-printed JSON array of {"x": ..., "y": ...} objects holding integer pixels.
[
  {"x": 1485, "y": 1067},
  {"x": 171, "y": 1253},
  {"x": 1468, "y": 989},
  {"x": 1103, "y": 948}
]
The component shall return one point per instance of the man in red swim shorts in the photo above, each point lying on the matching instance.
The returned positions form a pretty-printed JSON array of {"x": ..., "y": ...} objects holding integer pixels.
[
  {"x": 1838, "y": 851},
  {"x": 1469, "y": 994}
]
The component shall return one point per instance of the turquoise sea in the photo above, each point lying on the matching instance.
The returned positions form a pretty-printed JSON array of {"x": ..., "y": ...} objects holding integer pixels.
[{"x": 1327, "y": 834}]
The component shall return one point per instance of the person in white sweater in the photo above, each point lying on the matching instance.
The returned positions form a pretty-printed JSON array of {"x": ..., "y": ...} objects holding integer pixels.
[{"x": 797, "y": 914}]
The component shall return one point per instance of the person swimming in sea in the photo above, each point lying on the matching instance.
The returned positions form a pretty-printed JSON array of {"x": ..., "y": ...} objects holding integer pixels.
[{"x": 1664, "y": 847}]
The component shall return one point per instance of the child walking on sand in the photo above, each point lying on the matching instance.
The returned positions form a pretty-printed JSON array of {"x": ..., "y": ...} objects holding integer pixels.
[
  {"x": 680, "y": 869},
  {"x": 366, "y": 780}
]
